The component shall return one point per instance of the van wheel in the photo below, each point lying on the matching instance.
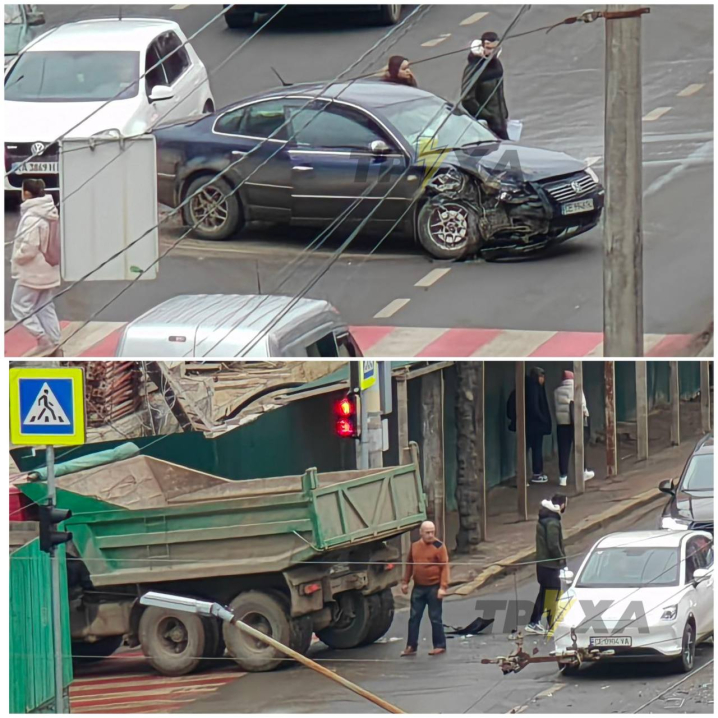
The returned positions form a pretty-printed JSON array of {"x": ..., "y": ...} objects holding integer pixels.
[
  {"x": 684, "y": 663},
  {"x": 266, "y": 613},
  {"x": 447, "y": 229},
  {"x": 173, "y": 641},
  {"x": 214, "y": 210},
  {"x": 381, "y": 615},
  {"x": 352, "y": 627}
]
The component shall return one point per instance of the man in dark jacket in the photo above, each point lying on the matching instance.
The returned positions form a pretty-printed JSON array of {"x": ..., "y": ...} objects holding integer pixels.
[
  {"x": 482, "y": 85},
  {"x": 550, "y": 558},
  {"x": 538, "y": 421}
]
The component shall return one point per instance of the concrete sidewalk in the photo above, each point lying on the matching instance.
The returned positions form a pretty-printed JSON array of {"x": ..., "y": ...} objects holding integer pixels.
[{"x": 511, "y": 540}]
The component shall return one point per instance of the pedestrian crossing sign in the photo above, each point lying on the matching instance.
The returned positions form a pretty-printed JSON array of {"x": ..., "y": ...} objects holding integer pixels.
[{"x": 47, "y": 406}]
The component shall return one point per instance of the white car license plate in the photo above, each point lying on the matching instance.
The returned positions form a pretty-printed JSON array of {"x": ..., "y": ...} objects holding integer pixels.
[
  {"x": 583, "y": 205},
  {"x": 600, "y": 641},
  {"x": 36, "y": 168}
]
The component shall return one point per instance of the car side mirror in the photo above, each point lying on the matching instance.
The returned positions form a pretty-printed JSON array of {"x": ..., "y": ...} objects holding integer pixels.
[
  {"x": 567, "y": 576},
  {"x": 160, "y": 93},
  {"x": 379, "y": 147},
  {"x": 699, "y": 574},
  {"x": 35, "y": 18},
  {"x": 667, "y": 487}
]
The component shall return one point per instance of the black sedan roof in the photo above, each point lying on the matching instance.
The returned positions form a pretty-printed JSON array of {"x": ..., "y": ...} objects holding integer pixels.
[{"x": 371, "y": 94}]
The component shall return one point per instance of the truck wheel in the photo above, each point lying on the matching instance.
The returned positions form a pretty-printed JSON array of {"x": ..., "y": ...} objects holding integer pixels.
[
  {"x": 214, "y": 646},
  {"x": 352, "y": 627},
  {"x": 83, "y": 653},
  {"x": 381, "y": 615},
  {"x": 267, "y": 613},
  {"x": 301, "y": 626},
  {"x": 173, "y": 641}
]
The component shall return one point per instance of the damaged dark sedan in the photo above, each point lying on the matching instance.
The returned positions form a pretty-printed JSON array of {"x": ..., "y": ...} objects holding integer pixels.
[{"x": 306, "y": 156}]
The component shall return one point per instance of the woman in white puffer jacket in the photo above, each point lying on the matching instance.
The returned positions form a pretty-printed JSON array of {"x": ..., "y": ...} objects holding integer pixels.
[{"x": 563, "y": 398}]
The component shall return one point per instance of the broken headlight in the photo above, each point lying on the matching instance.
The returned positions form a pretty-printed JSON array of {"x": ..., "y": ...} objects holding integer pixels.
[
  {"x": 448, "y": 181},
  {"x": 511, "y": 192}
]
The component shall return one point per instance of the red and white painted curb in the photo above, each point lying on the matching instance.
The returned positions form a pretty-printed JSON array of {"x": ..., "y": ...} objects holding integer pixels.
[{"x": 100, "y": 339}]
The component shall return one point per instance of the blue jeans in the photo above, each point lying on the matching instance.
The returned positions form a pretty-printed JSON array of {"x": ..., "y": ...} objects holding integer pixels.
[{"x": 421, "y": 597}]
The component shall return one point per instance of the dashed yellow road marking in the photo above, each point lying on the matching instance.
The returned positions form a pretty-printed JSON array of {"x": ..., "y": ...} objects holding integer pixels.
[
  {"x": 691, "y": 89},
  {"x": 432, "y": 277},
  {"x": 392, "y": 308},
  {"x": 436, "y": 41},
  {"x": 656, "y": 114},
  {"x": 473, "y": 18}
]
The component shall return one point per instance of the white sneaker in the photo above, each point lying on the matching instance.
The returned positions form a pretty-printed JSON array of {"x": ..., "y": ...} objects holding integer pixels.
[
  {"x": 588, "y": 475},
  {"x": 562, "y": 480}
]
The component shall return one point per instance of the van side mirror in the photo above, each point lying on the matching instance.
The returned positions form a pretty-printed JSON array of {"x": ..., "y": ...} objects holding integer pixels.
[
  {"x": 667, "y": 487},
  {"x": 36, "y": 18}
]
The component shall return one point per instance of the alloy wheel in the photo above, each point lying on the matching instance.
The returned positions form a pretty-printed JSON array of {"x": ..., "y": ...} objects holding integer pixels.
[
  {"x": 209, "y": 209},
  {"x": 449, "y": 225}
]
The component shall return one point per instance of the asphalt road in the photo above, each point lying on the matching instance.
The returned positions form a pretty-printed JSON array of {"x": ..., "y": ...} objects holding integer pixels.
[
  {"x": 457, "y": 682},
  {"x": 555, "y": 84}
]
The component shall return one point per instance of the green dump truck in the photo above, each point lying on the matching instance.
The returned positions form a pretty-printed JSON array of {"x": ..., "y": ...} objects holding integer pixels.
[{"x": 292, "y": 556}]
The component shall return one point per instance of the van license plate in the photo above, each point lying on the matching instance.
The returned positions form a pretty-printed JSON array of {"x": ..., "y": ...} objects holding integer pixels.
[
  {"x": 584, "y": 205},
  {"x": 598, "y": 641},
  {"x": 36, "y": 168}
]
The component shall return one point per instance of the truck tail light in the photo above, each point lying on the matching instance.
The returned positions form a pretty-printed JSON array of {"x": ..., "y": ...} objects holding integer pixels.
[
  {"x": 389, "y": 566},
  {"x": 310, "y": 588}
]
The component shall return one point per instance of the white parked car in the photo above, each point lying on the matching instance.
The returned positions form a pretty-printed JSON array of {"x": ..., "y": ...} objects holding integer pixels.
[
  {"x": 70, "y": 71},
  {"x": 645, "y": 595}
]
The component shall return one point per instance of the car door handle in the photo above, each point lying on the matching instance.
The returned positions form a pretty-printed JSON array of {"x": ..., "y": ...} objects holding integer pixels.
[{"x": 302, "y": 168}]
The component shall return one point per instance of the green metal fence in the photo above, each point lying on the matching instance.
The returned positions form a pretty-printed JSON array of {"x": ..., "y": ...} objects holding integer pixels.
[{"x": 32, "y": 684}]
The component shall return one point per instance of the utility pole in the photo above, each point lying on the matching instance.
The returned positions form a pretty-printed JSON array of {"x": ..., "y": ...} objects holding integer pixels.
[
  {"x": 365, "y": 379},
  {"x": 578, "y": 447},
  {"x": 609, "y": 372},
  {"x": 675, "y": 404},
  {"x": 641, "y": 410},
  {"x": 705, "y": 396},
  {"x": 521, "y": 477},
  {"x": 623, "y": 162}
]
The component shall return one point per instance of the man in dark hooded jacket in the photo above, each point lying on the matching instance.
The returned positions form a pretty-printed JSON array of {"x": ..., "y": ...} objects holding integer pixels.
[
  {"x": 550, "y": 558},
  {"x": 538, "y": 421},
  {"x": 482, "y": 85}
]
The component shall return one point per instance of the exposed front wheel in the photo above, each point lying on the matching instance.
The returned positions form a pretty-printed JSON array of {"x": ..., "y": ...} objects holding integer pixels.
[
  {"x": 447, "y": 229},
  {"x": 266, "y": 613},
  {"x": 214, "y": 210},
  {"x": 684, "y": 663},
  {"x": 352, "y": 625},
  {"x": 173, "y": 641}
]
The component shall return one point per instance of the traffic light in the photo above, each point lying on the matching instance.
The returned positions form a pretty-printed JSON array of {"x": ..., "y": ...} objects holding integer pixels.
[
  {"x": 347, "y": 416},
  {"x": 50, "y": 516}
]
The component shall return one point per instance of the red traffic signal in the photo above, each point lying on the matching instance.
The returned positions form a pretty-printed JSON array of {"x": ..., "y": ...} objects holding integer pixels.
[{"x": 346, "y": 411}]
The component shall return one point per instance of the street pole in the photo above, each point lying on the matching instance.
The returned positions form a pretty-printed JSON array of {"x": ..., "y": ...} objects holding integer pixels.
[
  {"x": 641, "y": 410},
  {"x": 374, "y": 431},
  {"x": 578, "y": 447},
  {"x": 705, "y": 396},
  {"x": 521, "y": 440},
  {"x": 55, "y": 591},
  {"x": 675, "y": 404},
  {"x": 623, "y": 162},
  {"x": 609, "y": 372}
]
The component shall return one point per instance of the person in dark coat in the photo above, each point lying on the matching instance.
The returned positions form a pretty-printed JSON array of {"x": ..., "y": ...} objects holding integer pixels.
[
  {"x": 550, "y": 559},
  {"x": 398, "y": 72},
  {"x": 538, "y": 421},
  {"x": 482, "y": 85}
]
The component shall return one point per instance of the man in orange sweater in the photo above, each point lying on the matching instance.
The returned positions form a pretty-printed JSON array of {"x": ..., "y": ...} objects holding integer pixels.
[{"x": 428, "y": 564}]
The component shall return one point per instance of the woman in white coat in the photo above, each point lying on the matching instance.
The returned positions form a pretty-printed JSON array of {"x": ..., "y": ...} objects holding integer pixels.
[{"x": 563, "y": 398}]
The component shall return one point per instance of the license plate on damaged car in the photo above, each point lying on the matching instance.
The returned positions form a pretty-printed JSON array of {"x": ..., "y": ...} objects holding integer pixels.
[
  {"x": 602, "y": 641},
  {"x": 33, "y": 168},
  {"x": 584, "y": 205}
]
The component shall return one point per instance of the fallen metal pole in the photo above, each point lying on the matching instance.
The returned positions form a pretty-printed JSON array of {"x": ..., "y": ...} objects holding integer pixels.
[{"x": 314, "y": 665}]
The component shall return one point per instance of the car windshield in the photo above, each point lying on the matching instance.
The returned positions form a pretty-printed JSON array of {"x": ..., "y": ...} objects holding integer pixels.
[
  {"x": 630, "y": 567},
  {"x": 699, "y": 475},
  {"x": 13, "y": 15},
  {"x": 73, "y": 76},
  {"x": 431, "y": 124}
]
